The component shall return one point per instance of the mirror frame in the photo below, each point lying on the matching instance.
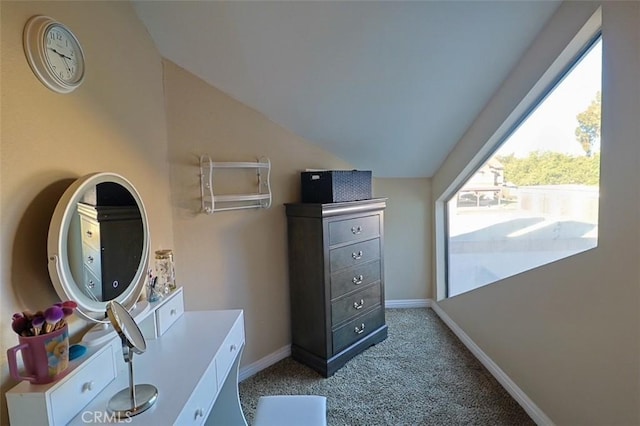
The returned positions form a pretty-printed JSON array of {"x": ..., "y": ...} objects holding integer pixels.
[
  {"x": 57, "y": 251},
  {"x": 126, "y": 327}
]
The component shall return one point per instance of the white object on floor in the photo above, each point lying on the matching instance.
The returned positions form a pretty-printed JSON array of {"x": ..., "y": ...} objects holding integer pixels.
[{"x": 291, "y": 410}]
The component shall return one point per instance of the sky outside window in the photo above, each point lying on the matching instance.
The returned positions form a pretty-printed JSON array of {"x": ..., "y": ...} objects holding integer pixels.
[{"x": 551, "y": 127}]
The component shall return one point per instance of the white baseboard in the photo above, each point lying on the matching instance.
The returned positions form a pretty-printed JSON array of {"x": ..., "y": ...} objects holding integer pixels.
[
  {"x": 521, "y": 398},
  {"x": 407, "y": 303},
  {"x": 255, "y": 367}
]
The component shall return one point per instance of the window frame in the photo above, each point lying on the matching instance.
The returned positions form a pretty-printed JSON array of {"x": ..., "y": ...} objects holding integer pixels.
[{"x": 570, "y": 56}]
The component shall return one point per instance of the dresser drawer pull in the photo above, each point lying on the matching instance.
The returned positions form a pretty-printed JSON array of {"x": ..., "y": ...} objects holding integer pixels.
[
  {"x": 87, "y": 387},
  {"x": 199, "y": 413},
  {"x": 233, "y": 348},
  {"x": 91, "y": 284},
  {"x": 359, "y": 305},
  {"x": 89, "y": 234},
  {"x": 357, "y": 279},
  {"x": 357, "y": 256},
  {"x": 359, "y": 330},
  {"x": 173, "y": 311},
  {"x": 90, "y": 259},
  {"x": 355, "y": 230}
]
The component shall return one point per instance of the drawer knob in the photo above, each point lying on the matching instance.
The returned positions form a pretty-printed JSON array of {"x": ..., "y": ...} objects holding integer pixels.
[
  {"x": 355, "y": 230},
  {"x": 91, "y": 284},
  {"x": 173, "y": 312},
  {"x": 233, "y": 348},
  {"x": 357, "y": 279},
  {"x": 89, "y": 234},
  {"x": 90, "y": 259},
  {"x": 359, "y": 305},
  {"x": 359, "y": 330},
  {"x": 87, "y": 387},
  {"x": 357, "y": 256},
  {"x": 199, "y": 413}
]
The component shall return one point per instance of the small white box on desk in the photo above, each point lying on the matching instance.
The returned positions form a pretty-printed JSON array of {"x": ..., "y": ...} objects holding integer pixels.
[
  {"x": 163, "y": 314},
  {"x": 169, "y": 312}
]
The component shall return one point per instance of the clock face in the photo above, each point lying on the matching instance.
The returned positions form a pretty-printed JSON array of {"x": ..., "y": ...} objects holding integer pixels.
[
  {"x": 53, "y": 53},
  {"x": 63, "y": 54}
]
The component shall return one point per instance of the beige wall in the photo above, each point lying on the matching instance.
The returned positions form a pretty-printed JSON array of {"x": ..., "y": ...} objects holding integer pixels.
[
  {"x": 568, "y": 333},
  {"x": 407, "y": 237},
  {"x": 114, "y": 122},
  {"x": 239, "y": 259},
  {"x": 234, "y": 259}
]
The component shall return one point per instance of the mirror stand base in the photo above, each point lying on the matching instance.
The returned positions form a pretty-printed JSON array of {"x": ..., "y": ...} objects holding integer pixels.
[{"x": 123, "y": 406}]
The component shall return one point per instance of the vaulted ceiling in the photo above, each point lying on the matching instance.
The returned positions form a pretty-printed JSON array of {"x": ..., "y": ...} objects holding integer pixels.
[{"x": 387, "y": 86}]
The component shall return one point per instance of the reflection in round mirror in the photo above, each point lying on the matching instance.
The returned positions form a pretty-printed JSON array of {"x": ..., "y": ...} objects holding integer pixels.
[{"x": 98, "y": 246}]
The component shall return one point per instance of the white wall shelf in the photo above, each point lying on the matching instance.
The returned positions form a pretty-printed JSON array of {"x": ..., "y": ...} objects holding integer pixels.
[{"x": 212, "y": 202}]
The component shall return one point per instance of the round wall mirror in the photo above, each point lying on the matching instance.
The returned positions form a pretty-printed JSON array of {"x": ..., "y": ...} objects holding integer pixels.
[{"x": 98, "y": 245}]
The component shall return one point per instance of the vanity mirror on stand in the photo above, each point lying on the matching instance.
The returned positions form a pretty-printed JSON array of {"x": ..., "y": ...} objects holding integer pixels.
[
  {"x": 98, "y": 255},
  {"x": 135, "y": 399}
]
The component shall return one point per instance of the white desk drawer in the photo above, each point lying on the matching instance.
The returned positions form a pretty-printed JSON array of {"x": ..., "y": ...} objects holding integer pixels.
[
  {"x": 168, "y": 313},
  {"x": 229, "y": 350},
  {"x": 197, "y": 408},
  {"x": 82, "y": 387}
]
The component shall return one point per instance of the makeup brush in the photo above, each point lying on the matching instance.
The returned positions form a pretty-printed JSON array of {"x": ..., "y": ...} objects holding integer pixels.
[
  {"x": 67, "y": 312},
  {"x": 20, "y": 324},
  {"x": 69, "y": 304},
  {"x": 36, "y": 324},
  {"x": 52, "y": 315}
]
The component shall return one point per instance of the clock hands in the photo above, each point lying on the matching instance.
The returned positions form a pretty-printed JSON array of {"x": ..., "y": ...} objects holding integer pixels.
[
  {"x": 64, "y": 58},
  {"x": 61, "y": 54}
]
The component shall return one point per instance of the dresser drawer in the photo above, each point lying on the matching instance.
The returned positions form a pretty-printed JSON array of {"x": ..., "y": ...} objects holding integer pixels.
[
  {"x": 197, "y": 408},
  {"x": 343, "y": 231},
  {"x": 229, "y": 350},
  {"x": 92, "y": 259},
  {"x": 354, "y": 254},
  {"x": 354, "y": 304},
  {"x": 83, "y": 386},
  {"x": 91, "y": 282},
  {"x": 90, "y": 232},
  {"x": 169, "y": 312},
  {"x": 354, "y": 278},
  {"x": 357, "y": 329}
]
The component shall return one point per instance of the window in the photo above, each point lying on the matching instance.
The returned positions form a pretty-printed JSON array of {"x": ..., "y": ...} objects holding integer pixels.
[{"x": 535, "y": 200}]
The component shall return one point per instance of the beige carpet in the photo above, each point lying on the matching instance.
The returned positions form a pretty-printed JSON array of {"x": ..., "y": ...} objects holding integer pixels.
[{"x": 421, "y": 375}]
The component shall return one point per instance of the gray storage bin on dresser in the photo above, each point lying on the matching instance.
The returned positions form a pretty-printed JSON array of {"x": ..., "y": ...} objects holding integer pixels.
[{"x": 336, "y": 280}]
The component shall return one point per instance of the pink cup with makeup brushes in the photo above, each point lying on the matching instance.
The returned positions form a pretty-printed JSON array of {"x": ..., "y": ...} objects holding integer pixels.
[{"x": 45, "y": 357}]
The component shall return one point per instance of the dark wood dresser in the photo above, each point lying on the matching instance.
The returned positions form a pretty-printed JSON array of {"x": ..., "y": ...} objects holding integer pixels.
[
  {"x": 112, "y": 238},
  {"x": 336, "y": 279}
]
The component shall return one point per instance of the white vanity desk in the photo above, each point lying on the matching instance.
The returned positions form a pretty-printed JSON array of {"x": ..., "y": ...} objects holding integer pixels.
[{"x": 194, "y": 366}]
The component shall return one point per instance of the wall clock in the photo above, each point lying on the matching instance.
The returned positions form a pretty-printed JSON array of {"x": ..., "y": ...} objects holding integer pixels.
[{"x": 54, "y": 54}]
